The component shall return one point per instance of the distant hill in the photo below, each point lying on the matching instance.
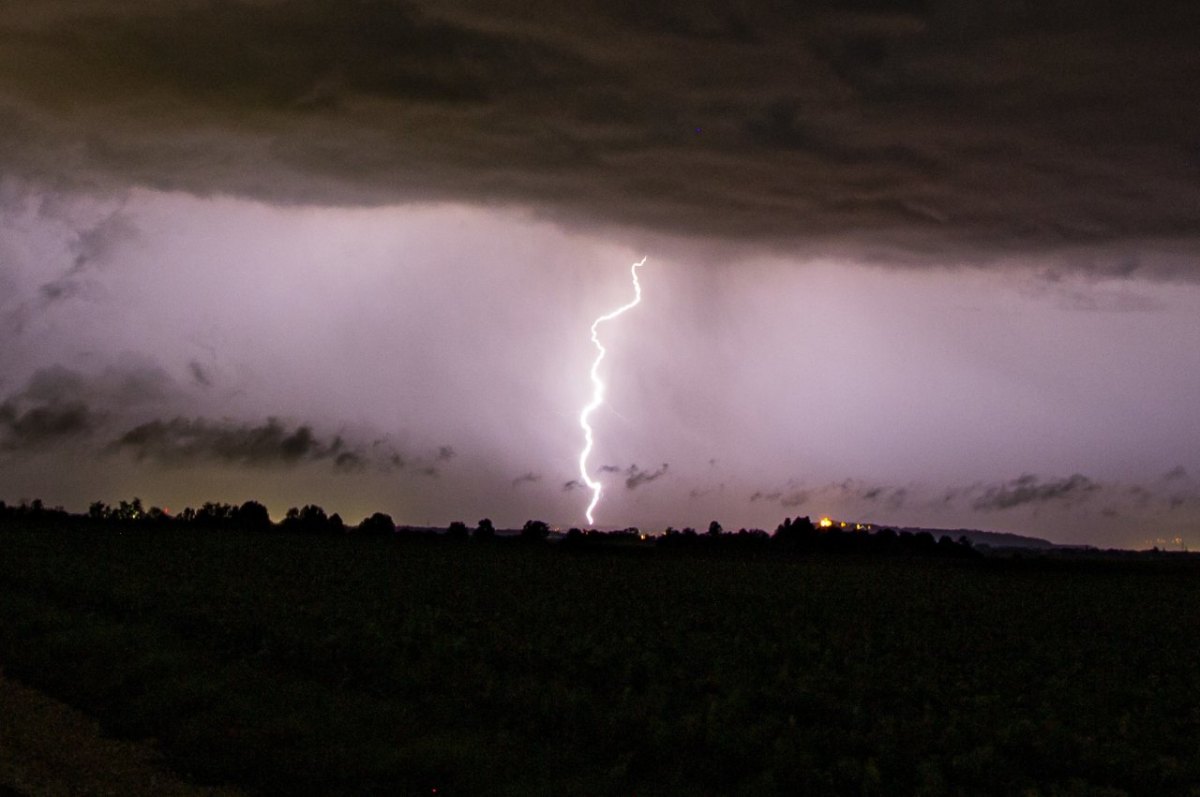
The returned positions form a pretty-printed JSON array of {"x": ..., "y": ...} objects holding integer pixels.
[{"x": 994, "y": 539}]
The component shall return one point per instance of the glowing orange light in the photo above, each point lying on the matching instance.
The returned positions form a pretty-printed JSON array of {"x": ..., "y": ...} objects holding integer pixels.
[{"x": 825, "y": 523}]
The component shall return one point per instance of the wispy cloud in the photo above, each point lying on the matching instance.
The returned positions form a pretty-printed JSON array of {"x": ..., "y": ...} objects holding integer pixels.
[
  {"x": 636, "y": 477},
  {"x": 180, "y": 441},
  {"x": 529, "y": 477},
  {"x": 1029, "y": 489}
]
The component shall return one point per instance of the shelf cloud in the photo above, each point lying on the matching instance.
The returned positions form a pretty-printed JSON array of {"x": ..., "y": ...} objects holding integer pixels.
[{"x": 982, "y": 132}]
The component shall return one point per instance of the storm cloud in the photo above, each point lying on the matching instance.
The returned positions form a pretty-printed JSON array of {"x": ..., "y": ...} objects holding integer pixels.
[
  {"x": 981, "y": 132},
  {"x": 105, "y": 412},
  {"x": 59, "y": 405},
  {"x": 529, "y": 477},
  {"x": 635, "y": 477},
  {"x": 350, "y": 252},
  {"x": 274, "y": 443},
  {"x": 39, "y": 426},
  {"x": 1029, "y": 489},
  {"x": 847, "y": 492},
  {"x": 182, "y": 440}
]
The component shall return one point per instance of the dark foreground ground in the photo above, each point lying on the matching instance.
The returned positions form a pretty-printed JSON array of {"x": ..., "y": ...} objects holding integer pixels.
[
  {"x": 48, "y": 749},
  {"x": 282, "y": 664}
]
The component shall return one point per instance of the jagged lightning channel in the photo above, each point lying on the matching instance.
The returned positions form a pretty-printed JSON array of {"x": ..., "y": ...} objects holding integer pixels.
[{"x": 598, "y": 392}]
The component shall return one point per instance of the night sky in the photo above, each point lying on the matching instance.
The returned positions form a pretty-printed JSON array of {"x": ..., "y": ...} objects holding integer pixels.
[{"x": 913, "y": 263}]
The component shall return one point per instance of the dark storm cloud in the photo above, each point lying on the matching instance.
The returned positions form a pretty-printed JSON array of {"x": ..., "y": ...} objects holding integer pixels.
[
  {"x": 635, "y": 477},
  {"x": 794, "y": 499},
  {"x": 57, "y": 383},
  {"x": 529, "y": 477},
  {"x": 97, "y": 243},
  {"x": 44, "y": 425},
  {"x": 845, "y": 491},
  {"x": 106, "y": 411},
  {"x": 1029, "y": 489},
  {"x": 60, "y": 405},
  {"x": 349, "y": 461},
  {"x": 181, "y": 441},
  {"x": 91, "y": 246},
  {"x": 1175, "y": 488},
  {"x": 1177, "y": 473},
  {"x": 199, "y": 374},
  {"x": 185, "y": 441},
  {"x": 129, "y": 385},
  {"x": 1110, "y": 302},
  {"x": 919, "y": 128},
  {"x": 1139, "y": 496}
]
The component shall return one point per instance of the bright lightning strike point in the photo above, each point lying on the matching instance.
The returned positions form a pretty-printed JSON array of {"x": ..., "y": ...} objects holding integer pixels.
[{"x": 598, "y": 392}]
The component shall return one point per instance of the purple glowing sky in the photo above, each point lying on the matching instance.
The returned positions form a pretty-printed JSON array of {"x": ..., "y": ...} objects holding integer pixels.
[{"x": 905, "y": 265}]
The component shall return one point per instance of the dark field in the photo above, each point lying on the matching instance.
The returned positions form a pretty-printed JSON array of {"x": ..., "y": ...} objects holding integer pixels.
[{"x": 285, "y": 664}]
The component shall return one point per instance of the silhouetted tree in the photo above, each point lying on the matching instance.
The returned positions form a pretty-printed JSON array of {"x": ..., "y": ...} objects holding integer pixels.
[
  {"x": 34, "y": 512},
  {"x": 884, "y": 541},
  {"x": 714, "y": 529},
  {"x": 378, "y": 523},
  {"x": 214, "y": 514},
  {"x": 799, "y": 532},
  {"x": 535, "y": 531},
  {"x": 485, "y": 530},
  {"x": 253, "y": 516},
  {"x": 125, "y": 511},
  {"x": 309, "y": 520},
  {"x": 457, "y": 530},
  {"x": 313, "y": 517}
]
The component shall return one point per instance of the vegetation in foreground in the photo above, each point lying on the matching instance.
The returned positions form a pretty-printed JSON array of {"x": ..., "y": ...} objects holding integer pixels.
[{"x": 290, "y": 664}]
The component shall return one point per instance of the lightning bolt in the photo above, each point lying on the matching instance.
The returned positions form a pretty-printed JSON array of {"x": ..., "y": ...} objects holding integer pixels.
[{"x": 598, "y": 391}]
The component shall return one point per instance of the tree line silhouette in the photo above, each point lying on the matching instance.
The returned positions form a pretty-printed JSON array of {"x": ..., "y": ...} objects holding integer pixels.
[{"x": 793, "y": 535}]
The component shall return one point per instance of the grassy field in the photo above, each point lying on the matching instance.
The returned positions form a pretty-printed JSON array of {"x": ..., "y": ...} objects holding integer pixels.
[{"x": 285, "y": 664}]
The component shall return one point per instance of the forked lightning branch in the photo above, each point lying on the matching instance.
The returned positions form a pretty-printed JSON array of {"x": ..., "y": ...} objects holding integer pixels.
[{"x": 598, "y": 392}]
